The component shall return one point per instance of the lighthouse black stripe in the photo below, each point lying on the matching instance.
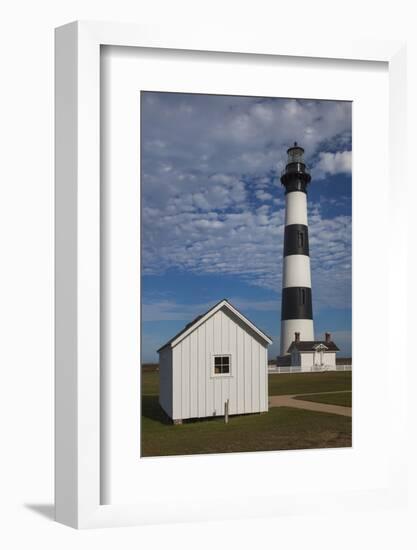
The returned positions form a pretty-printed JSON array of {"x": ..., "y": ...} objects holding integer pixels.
[
  {"x": 296, "y": 303},
  {"x": 294, "y": 185},
  {"x": 296, "y": 239}
]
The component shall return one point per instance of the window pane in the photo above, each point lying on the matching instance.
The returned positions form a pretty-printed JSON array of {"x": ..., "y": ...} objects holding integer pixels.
[{"x": 221, "y": 364}]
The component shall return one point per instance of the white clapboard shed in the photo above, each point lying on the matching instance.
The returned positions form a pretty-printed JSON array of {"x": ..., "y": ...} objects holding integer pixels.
[{"x": 219, "y": 357}]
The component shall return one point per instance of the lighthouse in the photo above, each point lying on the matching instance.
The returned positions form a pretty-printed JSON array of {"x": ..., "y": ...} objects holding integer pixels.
[{"x": 296, "y": 307}]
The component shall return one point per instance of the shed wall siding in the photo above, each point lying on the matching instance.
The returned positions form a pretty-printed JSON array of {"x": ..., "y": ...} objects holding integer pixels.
[
  {"x": 197, "y": 392},
  {"x": 165, "y": 380},
  {"x": 176, "y": 382}
]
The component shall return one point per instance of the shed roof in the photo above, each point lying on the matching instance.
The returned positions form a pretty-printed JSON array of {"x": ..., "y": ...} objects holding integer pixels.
[
  {"x": 310, "y": 345},
  {"x": 200, "y": 319}
]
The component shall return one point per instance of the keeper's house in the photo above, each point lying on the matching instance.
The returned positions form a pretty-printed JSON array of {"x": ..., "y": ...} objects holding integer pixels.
[
  {"x": 220, "y": 356},
  {"x": 312, "y": 356}
]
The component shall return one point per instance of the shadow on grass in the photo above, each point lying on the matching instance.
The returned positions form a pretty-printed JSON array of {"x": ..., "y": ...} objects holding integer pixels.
[{"x": 152, "y": 409}]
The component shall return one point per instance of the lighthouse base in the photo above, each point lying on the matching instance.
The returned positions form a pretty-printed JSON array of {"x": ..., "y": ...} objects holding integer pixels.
[{"x": 288, "y": 329}]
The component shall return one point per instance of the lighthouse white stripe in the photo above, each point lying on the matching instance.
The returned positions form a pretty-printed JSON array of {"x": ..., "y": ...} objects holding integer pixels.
[
  {"x": 290, "y": 326},
  {"x": 296, "y": 271},
  {"x": 295, "y": 208}
]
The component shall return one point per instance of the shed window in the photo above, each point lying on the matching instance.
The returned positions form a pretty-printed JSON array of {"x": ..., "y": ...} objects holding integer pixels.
[{"x": 221, "y": 364}]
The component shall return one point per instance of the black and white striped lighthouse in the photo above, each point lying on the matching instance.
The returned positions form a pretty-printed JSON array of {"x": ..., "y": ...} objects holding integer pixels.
[{"x": 296, "y": 310}]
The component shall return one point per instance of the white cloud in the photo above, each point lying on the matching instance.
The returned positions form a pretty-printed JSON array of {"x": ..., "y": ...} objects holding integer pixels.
[
  {"x": 170, "y": 310},
  {"x": 263, "y": 195},
  {"x": 200, "y": 214},
  {"x": 333, "y": 163},
  {"x": 249, "y": 244},
  {"x": 235, "y": 136}
]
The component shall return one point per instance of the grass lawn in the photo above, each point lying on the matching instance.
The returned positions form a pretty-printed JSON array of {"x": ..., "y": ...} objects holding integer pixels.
[
  {"x": 280, "y": 428},
  {"x": 150, "y": 382},
  {"x": 309, "y": 382},
  {"x": 279, "y": 384},
  {"x": 343, "y": 399}
]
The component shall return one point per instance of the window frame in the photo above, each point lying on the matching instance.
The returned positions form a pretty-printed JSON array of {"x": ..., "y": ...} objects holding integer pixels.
[{"x": 215, "y": 374}]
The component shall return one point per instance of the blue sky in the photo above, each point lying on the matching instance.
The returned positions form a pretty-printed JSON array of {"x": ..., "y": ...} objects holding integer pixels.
[{"x": 213, "y": 210}]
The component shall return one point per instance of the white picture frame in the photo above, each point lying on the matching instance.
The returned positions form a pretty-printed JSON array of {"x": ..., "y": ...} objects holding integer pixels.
[{"x": 78, "y": 406}]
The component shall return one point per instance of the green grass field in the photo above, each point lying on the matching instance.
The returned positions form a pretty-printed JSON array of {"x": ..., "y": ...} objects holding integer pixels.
[
  {"x": 343, "y": 399},
  {"x": 309, "y": 382},
  {"x": 281, "y": 428},
  {"x": 150, "y": 383},
  {"x": 278, "y": 384}
]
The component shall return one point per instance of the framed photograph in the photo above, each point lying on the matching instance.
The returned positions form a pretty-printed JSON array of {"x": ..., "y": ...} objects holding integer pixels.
[
  {"x": 228, "y": 220},
  {"x": 222, "y": 214}
]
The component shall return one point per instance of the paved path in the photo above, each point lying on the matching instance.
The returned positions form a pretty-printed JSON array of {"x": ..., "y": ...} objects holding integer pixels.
[
  {"x": 318, "y": 393},
  {"x": 289, "y": 401}
]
